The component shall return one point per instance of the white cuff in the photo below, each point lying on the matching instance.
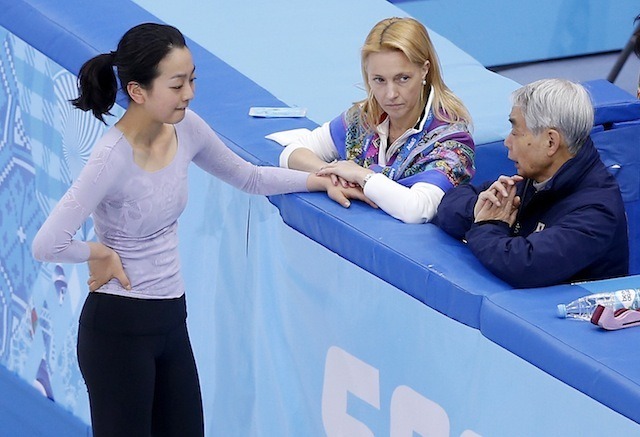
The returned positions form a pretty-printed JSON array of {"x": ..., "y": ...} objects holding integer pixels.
[
  {"x": 319, "y": 141},
  {"x": 417, "y": 204}
]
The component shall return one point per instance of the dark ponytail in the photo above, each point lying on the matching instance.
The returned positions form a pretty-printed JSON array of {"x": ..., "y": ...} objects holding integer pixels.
[
  {"x": 97, "y": 86},
  {"x": 136, "y": 60}
]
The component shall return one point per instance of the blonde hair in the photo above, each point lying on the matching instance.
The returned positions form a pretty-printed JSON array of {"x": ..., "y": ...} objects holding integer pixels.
[{"x": 410, "y": 37}]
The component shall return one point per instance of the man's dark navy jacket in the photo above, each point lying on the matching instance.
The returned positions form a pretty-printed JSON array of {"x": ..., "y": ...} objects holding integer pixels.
[{"x": 573, "y": 229}]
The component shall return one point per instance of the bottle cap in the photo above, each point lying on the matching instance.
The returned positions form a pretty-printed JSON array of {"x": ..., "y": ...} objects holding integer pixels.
[{"x": 561, "y": 310}]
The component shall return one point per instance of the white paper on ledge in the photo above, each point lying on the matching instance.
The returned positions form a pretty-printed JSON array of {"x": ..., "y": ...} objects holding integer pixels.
[{"x": 286, "y": 137}]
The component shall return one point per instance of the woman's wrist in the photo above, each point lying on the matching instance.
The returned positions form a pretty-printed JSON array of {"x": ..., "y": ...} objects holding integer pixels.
[
  {"x": 99, "y": 251},
  {"x": 366, "y": 178},
  {"x": 318, "y": 183}
]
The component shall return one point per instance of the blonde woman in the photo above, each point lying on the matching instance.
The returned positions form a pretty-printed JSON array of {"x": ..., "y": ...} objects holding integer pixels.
[{"x": 408, "y": 142}]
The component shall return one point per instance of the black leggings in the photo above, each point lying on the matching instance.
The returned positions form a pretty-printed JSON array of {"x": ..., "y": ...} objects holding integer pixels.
[{"x": 136, "y": 359}]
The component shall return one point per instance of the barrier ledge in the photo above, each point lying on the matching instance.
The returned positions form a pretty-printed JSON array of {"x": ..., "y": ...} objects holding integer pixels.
[{"x": 602, "y": 364}]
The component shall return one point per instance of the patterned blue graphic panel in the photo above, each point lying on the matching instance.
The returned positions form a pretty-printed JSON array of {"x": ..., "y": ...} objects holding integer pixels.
[{"x": 44, "y": 142}]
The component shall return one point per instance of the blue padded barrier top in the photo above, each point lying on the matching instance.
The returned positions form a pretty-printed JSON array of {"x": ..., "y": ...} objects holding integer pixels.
[
  {"x": 611, "y": 103},
  {"x": 420, "y": 260},
  {"x": 601, "y": 364}
]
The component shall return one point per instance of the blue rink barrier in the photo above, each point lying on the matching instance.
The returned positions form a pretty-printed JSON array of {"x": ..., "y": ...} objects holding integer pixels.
[{"x": 306, "y": 318}]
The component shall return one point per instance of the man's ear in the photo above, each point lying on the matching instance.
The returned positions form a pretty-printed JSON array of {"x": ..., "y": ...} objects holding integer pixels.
[
  {"x": 554, "y": 140},
  {"x": 136, "y": 92}
]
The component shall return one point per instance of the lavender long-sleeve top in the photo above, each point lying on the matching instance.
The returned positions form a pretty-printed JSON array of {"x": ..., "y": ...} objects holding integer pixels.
[{"x": 135, "y": 212}]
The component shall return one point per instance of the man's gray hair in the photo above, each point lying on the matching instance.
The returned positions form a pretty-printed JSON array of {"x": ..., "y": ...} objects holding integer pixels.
[{"x": 557, "y": 104}]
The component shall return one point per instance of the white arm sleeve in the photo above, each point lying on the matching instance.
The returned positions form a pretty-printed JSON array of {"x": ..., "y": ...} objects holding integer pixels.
[
  {"x": 417, "y": 204},
  {"x": 319, "y": 141}
]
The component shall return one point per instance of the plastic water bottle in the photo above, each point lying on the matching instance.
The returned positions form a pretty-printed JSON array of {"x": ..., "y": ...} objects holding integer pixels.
[{"x": 583, "y": 307}]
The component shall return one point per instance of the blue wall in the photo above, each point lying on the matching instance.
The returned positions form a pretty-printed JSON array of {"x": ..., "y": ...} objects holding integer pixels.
[{"x": 502, "y": 32}]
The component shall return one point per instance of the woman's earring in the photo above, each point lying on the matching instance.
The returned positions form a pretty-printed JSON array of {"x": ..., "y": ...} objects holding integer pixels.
[{"x": 424, "y": 81}]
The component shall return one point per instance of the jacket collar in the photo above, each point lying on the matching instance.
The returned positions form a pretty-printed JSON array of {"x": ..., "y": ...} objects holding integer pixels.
[{"x": 572, "y": 171}]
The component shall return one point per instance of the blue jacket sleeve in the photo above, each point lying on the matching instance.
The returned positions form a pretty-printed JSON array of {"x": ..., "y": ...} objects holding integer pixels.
[{"x": 455, "y": 212}]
